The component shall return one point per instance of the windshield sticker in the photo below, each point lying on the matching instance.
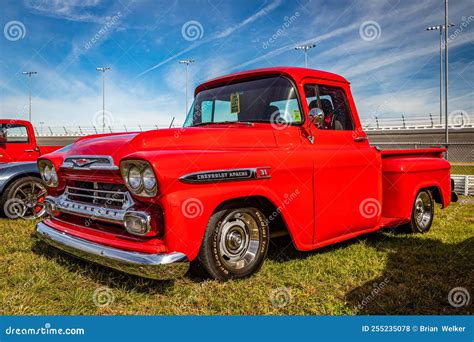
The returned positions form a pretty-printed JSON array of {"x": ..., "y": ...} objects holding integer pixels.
[
  {"x": 235, "y": 103},
  {"x": 296, "y": 115}
]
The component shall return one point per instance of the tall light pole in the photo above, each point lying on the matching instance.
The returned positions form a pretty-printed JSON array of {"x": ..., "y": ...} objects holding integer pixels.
[
  {"x": 446, "y": 74},
  {"x": 186, "y": 62},
  {"x": 440, "y": 28},
  {"x": 103, "y": 69},
  {"x": 305, "y": 48},
  {"x": 29, "y": 73}
]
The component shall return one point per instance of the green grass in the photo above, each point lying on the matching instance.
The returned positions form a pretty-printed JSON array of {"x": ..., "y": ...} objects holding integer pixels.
[
  {"x": 413, "y": 274},
  {"x": 462, "y": 169}
]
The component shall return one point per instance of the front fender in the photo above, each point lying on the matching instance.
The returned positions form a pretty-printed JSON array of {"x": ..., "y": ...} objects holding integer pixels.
[
  {"x": 188, "y": 211},
  {"x": 188, "y": 207}
]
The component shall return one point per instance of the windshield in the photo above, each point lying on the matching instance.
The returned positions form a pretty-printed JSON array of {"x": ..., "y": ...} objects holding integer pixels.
[{"x": 270, "y": 100}]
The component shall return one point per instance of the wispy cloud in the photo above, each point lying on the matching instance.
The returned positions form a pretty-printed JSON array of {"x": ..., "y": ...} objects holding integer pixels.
[
  {"x": 278, "y": 51},
  {"x": 97, "y": 35},
  {"x": 72, "y": 10},
  {"x": 220, "y": 35},
  {"x": 264, "y": 11}
]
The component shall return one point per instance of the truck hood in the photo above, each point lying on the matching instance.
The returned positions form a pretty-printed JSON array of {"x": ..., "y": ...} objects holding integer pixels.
[{"x": 229, "y": 137}]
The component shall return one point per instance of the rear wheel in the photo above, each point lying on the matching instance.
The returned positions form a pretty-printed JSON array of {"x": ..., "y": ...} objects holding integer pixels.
[
  {"x": 422, "y": 213},
  {"x": 235, "y": 243},
  {"x": 24, "y": 198}
]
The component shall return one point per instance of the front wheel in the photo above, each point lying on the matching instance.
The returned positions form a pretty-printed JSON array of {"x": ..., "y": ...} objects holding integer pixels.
[
  {"x": 24, "y": 198},
  {"x": 235, "y": 243},
  {"x": 422, "y": 213}
]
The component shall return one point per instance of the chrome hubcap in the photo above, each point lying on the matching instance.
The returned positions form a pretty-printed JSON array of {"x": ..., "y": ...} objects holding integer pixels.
[
  {"x": 28, "y": 201},
  {"x": 238, "y": 240},
  {"x": 423, "y": 210}
]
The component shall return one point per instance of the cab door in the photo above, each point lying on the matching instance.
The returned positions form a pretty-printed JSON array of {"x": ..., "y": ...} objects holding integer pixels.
[
  {"x": 347, "y": 176},
  {"x": 16, "y": 144}
]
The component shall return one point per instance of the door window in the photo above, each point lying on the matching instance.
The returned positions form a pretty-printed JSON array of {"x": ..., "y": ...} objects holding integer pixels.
[
  {"x": 13, "y": 133},
  {"x": 333, "y": 102}
]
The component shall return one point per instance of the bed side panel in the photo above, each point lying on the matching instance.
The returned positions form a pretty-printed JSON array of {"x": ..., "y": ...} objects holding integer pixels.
[{"x": 403, "y": 177}]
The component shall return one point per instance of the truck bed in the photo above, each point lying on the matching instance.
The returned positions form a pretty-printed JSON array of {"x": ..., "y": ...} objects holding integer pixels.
[{"x": 405, "y": 173}]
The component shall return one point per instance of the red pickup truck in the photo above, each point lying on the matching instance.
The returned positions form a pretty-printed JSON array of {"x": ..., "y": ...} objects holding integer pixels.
[
  {"x": 262, "y": 153},
  {"x": 21, "y": 190},
  {"x": 18, "y": 142}
]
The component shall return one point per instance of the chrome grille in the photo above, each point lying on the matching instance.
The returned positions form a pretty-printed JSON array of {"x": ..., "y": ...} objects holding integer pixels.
[{"x": 99, "y": 194}]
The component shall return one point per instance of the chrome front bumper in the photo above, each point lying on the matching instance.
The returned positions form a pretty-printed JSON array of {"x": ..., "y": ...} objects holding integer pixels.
[
  {"x": 87, "y": 210},
  {"x": 153, "y": 266}
]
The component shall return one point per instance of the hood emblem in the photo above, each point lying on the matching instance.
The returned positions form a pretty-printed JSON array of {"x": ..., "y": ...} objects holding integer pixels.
[
  {"x": 83, "y": 162},
  {"x": 89, "y": 163}
]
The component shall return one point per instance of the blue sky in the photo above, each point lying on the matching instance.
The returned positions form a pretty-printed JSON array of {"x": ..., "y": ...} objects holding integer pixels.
[{"x": 393, "y": 68}]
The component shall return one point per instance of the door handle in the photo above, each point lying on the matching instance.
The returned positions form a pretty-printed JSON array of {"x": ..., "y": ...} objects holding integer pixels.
[
  {"x": 29, "y": 151},
  {"x": 360, "y": 139}
]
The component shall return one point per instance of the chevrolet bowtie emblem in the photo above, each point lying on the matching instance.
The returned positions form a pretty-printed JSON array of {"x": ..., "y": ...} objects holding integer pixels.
[{"x": 83, "y": 162}]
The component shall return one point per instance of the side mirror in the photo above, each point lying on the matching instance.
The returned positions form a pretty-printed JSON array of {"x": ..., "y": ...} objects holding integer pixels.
[
  {"x": 3, "y": 136},
  {"x": 316, "y": 117}
]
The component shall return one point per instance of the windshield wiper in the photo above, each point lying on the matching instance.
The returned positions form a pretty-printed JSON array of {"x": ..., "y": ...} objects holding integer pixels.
[{"x": 249, "y": 123}]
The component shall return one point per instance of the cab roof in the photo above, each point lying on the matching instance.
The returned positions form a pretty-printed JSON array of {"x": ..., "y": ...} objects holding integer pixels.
[
  {"x": 294, "y": 73},
  {"x": 14, "y": 122}
]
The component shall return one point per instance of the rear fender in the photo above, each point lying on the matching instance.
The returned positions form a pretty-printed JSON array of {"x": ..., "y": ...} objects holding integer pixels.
[{"x": 404, "y": 177}]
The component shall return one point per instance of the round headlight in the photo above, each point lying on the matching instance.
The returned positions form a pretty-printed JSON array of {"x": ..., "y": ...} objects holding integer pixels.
[
  {"x": 47, "y": 174},
  {"x": 134, "y": 177},
  {"x": 149, "y": 180},
  {"x": 54, "y": 176}
]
